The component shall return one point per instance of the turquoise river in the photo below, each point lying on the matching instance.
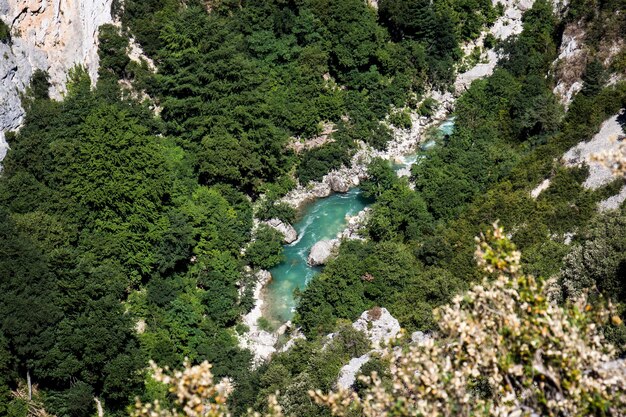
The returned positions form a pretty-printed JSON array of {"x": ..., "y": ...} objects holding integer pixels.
[{"x": 322, "y": 219}]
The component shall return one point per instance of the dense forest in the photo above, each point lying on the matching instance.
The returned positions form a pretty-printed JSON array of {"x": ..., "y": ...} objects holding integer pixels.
[{"x": 124, "y": 207}]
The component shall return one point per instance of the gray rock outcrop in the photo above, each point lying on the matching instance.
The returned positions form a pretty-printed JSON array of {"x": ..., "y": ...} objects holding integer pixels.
[
  {"x": 62, "y": 32},
  {"x": 52, "y": 35},
  {"x": 289, "y": 233},
  {"x": 347, "y": 374},
  {"x": 355, "y": 225},
  {"x": 339, "y": 184},
  {"x": 609, "y": 138},
  {"x": 322, "y": 251},
  {"x": 378, "y": 325}
]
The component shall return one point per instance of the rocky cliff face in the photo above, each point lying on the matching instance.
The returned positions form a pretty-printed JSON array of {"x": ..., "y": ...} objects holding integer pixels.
[{"x": 52, "y": 35}]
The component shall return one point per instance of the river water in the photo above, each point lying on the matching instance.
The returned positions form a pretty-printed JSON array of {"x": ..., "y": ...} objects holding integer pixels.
[{"x": 322, "y": 219}]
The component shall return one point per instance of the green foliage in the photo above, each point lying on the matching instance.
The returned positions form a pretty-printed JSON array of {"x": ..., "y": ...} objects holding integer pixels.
[
  {"x": 40, "y": 85},
  {"x": 319, "y": 161},
  {"x": 534, "y": 50},
  {"x": 266, "y": 250},
  {"x": 381, "y": 178},
  {"x": 264, "y": 324},
  {"x": 490, "y": 41},
  {"x": 95, "y": 210},
  {"x": 399, "y": 214},
  {"x": 428, "y": 107},
  {"x": 112, "y": 50},
  {"x": 5, "y": 32},
  {"x": 509, "y": 122},
  {"x": 378, "y": 365},
  {"x": 401, "y": 119},
  {"x": 236, "y": 83},
  {"x": 594, "y": 78},
  {"x": 7, "y": 375},
  {"x": 125, "y": 230},
  {"x": 276, "y": 210},
  {"x": 598, "y": 260}
]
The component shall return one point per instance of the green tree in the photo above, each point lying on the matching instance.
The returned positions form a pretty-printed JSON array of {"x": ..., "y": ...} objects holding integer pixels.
[
  {"x": 594, "y": 78},
  {"x": 266, "y": 249}
]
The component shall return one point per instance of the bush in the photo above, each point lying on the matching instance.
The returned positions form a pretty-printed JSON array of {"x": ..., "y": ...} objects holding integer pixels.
[
  {"x": 490, "y": 41},
  {"x": 318, "y": 162},
  {"x": 428, "y": 107},
  {"x": 401, "y": 119},
  {"x": 5, "y": 32},
  {"x": 264, "y": 324},
  {"x": 501, "y": 346},
  {"x": 267, "y": 250},
  {"x": 273, "y": 210},
  {"x": 40, "y": 85}
]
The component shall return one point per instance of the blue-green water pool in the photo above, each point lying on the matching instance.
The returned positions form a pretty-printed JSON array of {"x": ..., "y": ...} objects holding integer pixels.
[{"x": 322, "y": 219}]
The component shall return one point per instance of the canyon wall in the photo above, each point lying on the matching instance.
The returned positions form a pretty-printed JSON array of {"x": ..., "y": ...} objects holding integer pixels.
[{"x": 52, "y": 35}]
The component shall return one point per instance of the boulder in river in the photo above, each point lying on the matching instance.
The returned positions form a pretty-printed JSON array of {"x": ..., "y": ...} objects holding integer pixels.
[
  {"x": 321, "y": 251},
  {"x": 289, "y": 233},
  {"x": 338, "y": 183}
]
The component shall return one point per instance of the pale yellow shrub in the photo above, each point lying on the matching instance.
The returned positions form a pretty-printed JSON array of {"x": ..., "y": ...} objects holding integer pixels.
[{"x": 197, "y": 394}]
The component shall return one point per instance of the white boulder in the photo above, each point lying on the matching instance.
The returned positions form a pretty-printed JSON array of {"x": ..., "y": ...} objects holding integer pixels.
[
  {"x": 289, "y": 233},
  {"x": 378, "y": 325},
  {"x": 338, "y": 183},
  {"x": 322, "y": 251}
]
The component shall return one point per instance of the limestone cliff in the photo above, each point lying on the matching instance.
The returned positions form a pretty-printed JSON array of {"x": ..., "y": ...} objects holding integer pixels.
[{"x": 52, "y": 35}]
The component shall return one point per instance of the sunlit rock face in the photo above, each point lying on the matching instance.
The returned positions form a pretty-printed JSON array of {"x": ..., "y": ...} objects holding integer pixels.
[
  {"x": 55, "y": 35},
  {"x": 52, "y": 35}
]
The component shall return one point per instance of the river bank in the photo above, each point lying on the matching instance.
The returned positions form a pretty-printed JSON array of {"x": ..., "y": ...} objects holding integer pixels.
[
  {"x": 400, "y": 151},
  {"x": 404, "y": 143},
  {"x": 325, "y": 217}
]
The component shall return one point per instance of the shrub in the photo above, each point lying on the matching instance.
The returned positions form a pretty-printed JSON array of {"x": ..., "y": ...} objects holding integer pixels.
[
  {"x": 266, "y": 251},
  {"x": 490, "y": 41},
  {"x": 428, "y": 107},
  {"x": 5, "y": 32},
  {"x": 273, "y": 210},
  {"x": 503, "y": 349},
  {"x": 401, "y": 119}
]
